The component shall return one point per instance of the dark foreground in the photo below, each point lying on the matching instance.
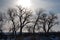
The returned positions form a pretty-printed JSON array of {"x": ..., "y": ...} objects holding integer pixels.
[{"x": 31, "y": 36}]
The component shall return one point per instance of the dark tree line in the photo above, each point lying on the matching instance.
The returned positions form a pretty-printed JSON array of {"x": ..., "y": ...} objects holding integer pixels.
[{"x": 27, "y": 20}]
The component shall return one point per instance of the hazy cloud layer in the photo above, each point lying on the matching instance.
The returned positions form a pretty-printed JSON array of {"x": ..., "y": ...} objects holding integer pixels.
[
  {"x": 53, "y": 5},
  {"x": 4, "y": 4}
]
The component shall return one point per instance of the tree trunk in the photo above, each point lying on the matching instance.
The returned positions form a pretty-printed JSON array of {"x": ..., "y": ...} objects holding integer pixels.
[
  {"x": 33, "y": 30},
  {"x": 21, "y": 36},
  {"x": 48, "y": 30},
  {"x": 44, "y": 28},
  {"x": 21, "y": 30}
]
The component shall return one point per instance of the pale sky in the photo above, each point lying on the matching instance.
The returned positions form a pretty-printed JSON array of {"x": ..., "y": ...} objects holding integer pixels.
[
  {"x": 53, "y": 5},
  {"x": 49, "y": 5}
]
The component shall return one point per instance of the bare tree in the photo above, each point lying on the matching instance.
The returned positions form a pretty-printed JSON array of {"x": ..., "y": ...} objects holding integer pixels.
[
  {"x": 24, "y": 16},
  {"x": 1, "y": 20},
  {"x": 37, "y": 20},
  {"x": 48, "y": 21},
  {"x": 52, "y": 21},
  {"x": 1, "y": 24},
  {"x": 44, "y": 20},
  {"x": 12, "y": 14}
]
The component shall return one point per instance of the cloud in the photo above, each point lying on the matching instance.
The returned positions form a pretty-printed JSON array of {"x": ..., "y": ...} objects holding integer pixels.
[
  {"x": 53, "y": 5},
  {"x": 5, "y": 4}
]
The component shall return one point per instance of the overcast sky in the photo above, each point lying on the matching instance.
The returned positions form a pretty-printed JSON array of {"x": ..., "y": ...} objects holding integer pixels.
[
  {"x": 49, "y": 5},
  {"x": 53, "y": 5}
]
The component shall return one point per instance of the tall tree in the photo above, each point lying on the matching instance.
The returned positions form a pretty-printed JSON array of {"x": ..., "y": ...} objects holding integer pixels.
[
  {"x": 52, "y": 21},
  {"x": 24, "y": 17},
  {"x": 1, "y": 24},
  {"x": 48, "y": 21},
  {"x": 37, "y": 20},
  {"x": 12, "y": 14},
  {"x": 1, "y": 20}
]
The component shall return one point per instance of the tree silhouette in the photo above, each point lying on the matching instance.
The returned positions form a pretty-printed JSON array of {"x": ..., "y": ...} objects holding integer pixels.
[
  {"x": 24, "y": 16},
  {"x": 1, "y": 20},
  {"x": 23, "y": 19},
  {"x": 44, "y": 21},
  {"x": 36, "y": 20},
  {"x": 52, "y": 21},
  {"x": 1, "y": 24},
  {"x": 12, "y": 13},
  {"x": 48, "y": 21}
]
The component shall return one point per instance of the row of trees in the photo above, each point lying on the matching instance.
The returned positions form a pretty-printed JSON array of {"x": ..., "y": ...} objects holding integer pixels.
[{"x": 24, "y": 18}]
